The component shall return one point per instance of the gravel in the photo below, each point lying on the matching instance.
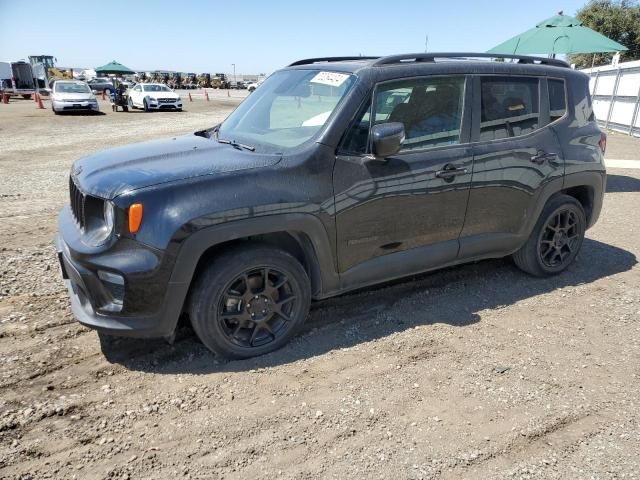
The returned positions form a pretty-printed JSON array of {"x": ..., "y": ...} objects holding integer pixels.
[{"x": 473, "y": 372}]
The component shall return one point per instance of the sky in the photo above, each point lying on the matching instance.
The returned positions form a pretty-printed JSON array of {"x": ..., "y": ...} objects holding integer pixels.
[{"x": 257, "y": 36}]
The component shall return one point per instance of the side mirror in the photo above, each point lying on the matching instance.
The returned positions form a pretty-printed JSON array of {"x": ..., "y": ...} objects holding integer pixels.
[{"x": 387, "y": 139}]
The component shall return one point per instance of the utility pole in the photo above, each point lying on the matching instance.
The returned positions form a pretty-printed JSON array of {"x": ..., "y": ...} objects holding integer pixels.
[{"x": 234, "y": 75}]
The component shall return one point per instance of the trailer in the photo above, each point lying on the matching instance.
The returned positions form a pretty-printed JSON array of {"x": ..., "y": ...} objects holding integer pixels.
[{"x": 16, "y": 78}]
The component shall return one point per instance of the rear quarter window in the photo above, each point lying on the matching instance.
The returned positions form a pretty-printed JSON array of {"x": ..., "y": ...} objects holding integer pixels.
[{"x": 557, "y": 99}]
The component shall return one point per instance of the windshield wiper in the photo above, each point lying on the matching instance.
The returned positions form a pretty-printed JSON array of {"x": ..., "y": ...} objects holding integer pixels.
[{"x": 235, "y": 144}]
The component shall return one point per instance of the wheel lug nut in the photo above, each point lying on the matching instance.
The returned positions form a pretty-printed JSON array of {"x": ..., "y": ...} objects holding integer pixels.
[
  {"x": 266, "y": 301},
  {"x": 253, "y": 315}
]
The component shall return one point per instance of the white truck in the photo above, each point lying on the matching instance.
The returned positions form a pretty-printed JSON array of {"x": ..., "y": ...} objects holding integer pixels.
[{"x": 16, "y": 78}]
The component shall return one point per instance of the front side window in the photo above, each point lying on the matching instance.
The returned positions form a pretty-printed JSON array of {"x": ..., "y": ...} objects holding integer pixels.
[
  {"x": 430, "y": 109},
  {"x": 557, "y": 99},
  {"x": 510, "y": 107},
  {"x": 288, "y": 109}
]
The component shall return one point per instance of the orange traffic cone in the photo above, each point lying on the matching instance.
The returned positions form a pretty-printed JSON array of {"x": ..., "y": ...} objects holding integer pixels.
[
  {"x": 5, "y": 97},
  {"x": 103, "y": 97},
  {"x": 190, "y": 99},
  {"x": 35, "y": 97},
  {"x": 40, "y": 105}
]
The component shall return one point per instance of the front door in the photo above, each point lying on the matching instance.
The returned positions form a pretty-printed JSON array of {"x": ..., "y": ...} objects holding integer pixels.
[{"x": 415, "y": 199}]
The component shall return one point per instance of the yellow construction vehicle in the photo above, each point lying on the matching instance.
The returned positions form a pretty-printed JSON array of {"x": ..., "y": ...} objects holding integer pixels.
[{"x": 46, "y": 72}]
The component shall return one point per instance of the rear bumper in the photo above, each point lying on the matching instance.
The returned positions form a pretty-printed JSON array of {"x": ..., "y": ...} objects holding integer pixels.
[{"x": 151, "y": 304}]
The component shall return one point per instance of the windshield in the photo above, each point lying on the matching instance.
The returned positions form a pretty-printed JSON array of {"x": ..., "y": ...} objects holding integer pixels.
[
  {"x": 155, "y": 88},
  {"x": 288, "y": 108},
  {"x": 72, "y": 88}
]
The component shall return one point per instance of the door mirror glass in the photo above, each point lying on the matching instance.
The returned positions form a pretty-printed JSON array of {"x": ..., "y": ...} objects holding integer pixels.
[{"x": 386, "y": 139}]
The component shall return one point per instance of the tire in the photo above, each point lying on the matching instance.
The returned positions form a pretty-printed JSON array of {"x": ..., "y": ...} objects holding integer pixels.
[
  {"x": 556, "y": 238},
  {"x": 107, "y": 92},
  {"x": 236, "y": 314},
  {"x": 125, "y": 108},
  {"x": 145, "y": 106},
  {"x": 130, "y": 102},
  {"x": 26, "y": 96}
]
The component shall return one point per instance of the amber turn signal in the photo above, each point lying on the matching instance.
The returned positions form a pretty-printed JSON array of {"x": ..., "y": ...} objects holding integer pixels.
[{"x": 135, "y": 217}]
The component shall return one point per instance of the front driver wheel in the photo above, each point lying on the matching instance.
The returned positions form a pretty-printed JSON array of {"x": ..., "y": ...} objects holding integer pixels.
[
  {"x": 556, "y": 239},
  {"x": 249, "y": 301}
]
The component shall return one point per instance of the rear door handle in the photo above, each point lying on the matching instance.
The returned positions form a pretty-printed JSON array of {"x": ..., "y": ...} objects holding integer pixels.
[
  {"x": 540, "y": 157},
  {"x": 449, "y": 171}
]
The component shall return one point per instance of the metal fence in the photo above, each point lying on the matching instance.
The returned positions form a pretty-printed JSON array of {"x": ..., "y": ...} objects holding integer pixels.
[{"x": 615, "y": 90}]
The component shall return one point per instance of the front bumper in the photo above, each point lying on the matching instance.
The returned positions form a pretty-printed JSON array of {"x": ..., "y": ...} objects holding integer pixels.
[
  {"x": 155, "y": 105},
  {"x": 63, "y": 106},
  {"x": 152, "y": 303}
]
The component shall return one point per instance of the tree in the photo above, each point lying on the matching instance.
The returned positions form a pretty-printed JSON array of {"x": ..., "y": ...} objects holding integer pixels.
[{"x": 618, "y": 20}]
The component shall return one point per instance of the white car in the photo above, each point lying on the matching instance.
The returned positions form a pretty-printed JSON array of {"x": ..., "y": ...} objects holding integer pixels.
[
  {"x": 68, "y": 95},
  {"x": 252, "y": 86},
  {"x": 154, "y": 96}
]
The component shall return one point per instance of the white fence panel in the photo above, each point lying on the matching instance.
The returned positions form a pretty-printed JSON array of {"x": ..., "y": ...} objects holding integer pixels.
[{"x": 616, "y": 96}]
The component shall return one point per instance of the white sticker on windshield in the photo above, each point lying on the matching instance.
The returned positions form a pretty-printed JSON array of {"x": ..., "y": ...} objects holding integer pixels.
[{"x": 332, "y": 79}]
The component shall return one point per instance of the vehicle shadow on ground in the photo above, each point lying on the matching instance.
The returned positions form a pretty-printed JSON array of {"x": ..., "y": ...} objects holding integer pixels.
[
  {"x": 622, "y": 183},
  {"x": 453, "y": 296}
]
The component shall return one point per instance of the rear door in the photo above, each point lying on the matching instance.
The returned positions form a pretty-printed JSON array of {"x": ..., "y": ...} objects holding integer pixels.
[{"x": 516, "y": 156}]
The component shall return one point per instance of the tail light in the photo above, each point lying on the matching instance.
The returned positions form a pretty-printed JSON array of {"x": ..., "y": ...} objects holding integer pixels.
[{"x": 603, "y": 143}]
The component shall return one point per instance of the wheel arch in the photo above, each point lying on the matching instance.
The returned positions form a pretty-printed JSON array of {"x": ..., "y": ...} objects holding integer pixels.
[{"x": 301, "y": 235}]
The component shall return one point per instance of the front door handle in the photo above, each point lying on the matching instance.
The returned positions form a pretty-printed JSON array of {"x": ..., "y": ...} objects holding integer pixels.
[
  {"x": 541, "y": 156},
  {"x": 449, "y": 171}
]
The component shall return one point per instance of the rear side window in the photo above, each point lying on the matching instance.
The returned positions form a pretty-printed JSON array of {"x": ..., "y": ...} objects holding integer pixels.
[
  {"x": 510, "y": 107},
  {"x": 557, "y": 99}
]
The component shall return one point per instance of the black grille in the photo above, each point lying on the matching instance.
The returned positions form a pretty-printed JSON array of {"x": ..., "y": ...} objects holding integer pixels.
[
  {"x": 166, "y": 100},
  {"x": 78, "y": 201}
]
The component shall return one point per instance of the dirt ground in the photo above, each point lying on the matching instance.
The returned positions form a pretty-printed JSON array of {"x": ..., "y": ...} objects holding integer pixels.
[{"x": 476, "y": 372}]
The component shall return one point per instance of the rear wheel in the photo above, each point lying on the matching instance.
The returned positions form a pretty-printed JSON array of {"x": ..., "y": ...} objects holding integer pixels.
[
  {"x": 250, "y": 301},
  {"x": 107, "y": 92},
  {"x": 556, "y": 239}
]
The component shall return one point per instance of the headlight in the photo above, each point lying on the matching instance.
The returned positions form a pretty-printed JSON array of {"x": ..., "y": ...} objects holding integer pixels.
[{"x": 101, "y": 229}]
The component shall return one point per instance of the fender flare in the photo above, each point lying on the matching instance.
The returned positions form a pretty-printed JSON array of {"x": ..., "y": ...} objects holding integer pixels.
[{"x": 317, "y": 249}]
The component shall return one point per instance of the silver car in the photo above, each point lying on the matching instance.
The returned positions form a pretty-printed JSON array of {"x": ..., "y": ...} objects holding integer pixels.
[{"x": 72, "y": 95}]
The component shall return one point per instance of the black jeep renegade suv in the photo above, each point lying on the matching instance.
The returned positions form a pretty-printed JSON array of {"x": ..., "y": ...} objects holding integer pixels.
[{"x": 337, "y": 173}]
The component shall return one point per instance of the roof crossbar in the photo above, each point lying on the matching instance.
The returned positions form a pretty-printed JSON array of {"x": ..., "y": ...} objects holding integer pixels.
[
  {"x": 430, "y": 57},
  {"x": 309, "y": 61}
]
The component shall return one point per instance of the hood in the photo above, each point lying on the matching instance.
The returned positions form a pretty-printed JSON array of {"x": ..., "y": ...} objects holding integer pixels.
[
  {"x": 113, "y": 172},
  {"x": 73, "y": 96}
]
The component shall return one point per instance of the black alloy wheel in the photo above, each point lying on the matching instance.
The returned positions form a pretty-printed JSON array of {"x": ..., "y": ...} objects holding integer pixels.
[
  {"x": 559, "y": 239},
  {"x": 249, "y": 300},
  {"x": 556, "y": 238},
  {"x": 256, "y": 307}
]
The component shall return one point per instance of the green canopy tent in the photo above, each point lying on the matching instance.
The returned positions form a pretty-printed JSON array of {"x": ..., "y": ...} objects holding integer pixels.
[
  {"x": 114, "y": 68},
  {"x": 559, "y": 34}
]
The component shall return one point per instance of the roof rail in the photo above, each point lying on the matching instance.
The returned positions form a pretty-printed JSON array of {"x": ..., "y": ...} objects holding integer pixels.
[
  {"x": 430, "y": 57},
  {"x": 309, "y": 61}
]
